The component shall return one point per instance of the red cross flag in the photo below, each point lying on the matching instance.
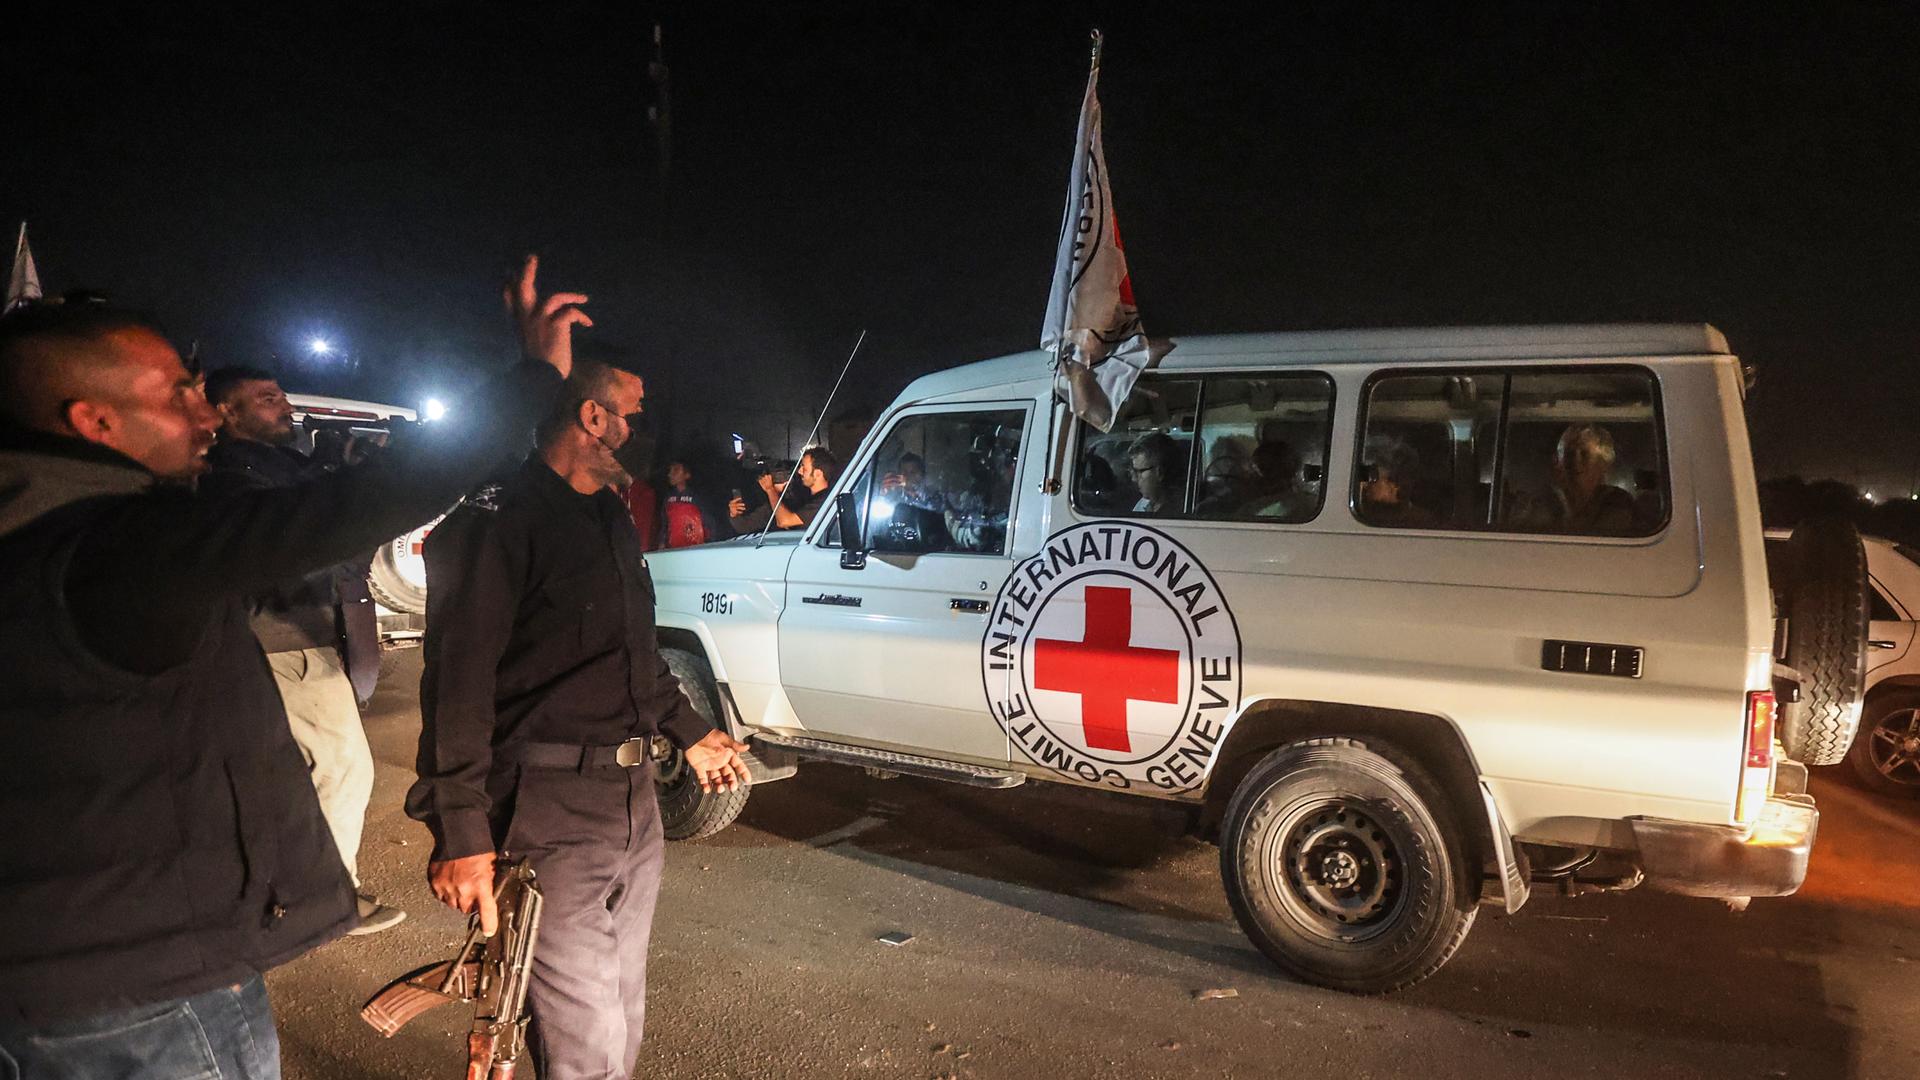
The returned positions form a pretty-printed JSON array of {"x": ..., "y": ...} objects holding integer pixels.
[{"x": 1092, "y": 326}]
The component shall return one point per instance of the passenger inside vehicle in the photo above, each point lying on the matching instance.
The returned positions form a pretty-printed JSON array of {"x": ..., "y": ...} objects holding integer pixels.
[
  {"x": 976, "y": 518},
  {"x": 1156, "y": 464},
  {"x": 1583, "y": 502},
  {"x": 907, "y": 484},
  {"x": 1391, "y": 467},
  {"x": 913, "y": 510},
  {"x": 1230, "y": 476},
  {"x": 1276, "y": 484}
]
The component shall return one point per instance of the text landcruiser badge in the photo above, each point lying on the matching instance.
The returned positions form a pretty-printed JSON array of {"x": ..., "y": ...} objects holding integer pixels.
[{"x": 1111, "y": 657}]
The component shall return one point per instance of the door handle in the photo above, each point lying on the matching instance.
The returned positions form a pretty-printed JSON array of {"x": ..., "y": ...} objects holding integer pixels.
[
  {"x": 966, "y": 603},
  {"x": 1881, "y": 643}
]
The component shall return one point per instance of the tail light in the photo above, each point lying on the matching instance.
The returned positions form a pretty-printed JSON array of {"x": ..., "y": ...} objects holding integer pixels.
[{"x": 1756, "y": 772}]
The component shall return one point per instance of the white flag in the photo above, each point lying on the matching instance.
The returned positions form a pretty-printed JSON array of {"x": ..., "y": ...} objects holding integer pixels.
[
  {"x": 24, "y": 283},
  {"x": 1092, "y": 325}
]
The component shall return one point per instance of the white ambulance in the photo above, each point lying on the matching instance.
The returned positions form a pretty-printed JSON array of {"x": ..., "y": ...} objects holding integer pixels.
[{"x": 1413, "y": 619}]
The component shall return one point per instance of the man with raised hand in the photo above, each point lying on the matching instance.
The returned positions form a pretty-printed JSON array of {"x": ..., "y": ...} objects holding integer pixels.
[
  {"x": 543, "y": 692},
  {"x": 162, "y": 845}
]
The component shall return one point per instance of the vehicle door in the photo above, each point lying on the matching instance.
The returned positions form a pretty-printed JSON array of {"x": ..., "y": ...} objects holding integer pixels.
[
  {"x": 1893, "y": 591},
  {"x": 888, "y": 653}
]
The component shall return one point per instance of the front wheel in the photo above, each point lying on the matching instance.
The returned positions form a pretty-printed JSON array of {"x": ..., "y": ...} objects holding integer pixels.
[
  {"x": 686, "y": 812},
  {"x": 1346, "y": 867}
]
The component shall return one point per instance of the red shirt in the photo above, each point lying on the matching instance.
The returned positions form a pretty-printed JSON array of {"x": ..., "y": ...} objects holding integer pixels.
[{"x": 644, "y": 506}]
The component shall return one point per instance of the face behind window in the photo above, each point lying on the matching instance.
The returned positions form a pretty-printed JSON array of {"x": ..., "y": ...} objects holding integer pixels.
[{"x": 943, "y": 483}]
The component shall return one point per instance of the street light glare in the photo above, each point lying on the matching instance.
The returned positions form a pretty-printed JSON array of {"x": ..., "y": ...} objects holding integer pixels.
[
  {"x": 319, "y": 346},
  {"x": 435, "y": 409}
]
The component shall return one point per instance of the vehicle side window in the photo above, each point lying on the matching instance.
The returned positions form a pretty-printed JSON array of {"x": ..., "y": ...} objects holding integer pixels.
[
  {"x": 1214, "y": 447},
  {"x": 943, "y": 483},
  {"x": 1880, "y": 609},
  {"x": 1263, "y": 447},
  {"x": 1428, "y": 442},
  {"x": 1575, "y": 451},
  {"x": 1143, "y": 467}
]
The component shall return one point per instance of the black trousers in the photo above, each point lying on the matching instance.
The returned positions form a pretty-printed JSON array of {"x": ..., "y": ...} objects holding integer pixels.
[{"x": 594, "y": 841}]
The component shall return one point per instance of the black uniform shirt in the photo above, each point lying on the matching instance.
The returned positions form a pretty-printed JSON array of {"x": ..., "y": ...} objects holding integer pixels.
[{"x": 539, "y": 629}]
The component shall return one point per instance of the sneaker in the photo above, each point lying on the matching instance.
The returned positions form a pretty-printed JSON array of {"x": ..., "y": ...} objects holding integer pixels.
[{"x": 376, "y": 916}]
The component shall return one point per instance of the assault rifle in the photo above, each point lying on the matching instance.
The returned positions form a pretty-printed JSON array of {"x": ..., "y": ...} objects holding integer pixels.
[{"x": 491, "y": 972}]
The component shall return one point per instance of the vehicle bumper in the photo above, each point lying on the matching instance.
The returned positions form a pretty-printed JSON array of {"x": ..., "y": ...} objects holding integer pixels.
[
  {"x": 401, "y": 626},
  {"x": 1767, "y": 859}
]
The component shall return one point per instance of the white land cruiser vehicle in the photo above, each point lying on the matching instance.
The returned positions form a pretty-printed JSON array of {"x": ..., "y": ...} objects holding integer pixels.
[
  {"x": 1409, "y": 617},
  {"x": 397, "y": 577}
]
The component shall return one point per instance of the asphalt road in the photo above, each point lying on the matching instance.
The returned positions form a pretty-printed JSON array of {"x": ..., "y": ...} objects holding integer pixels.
[{"x": 1059, "y": 933}]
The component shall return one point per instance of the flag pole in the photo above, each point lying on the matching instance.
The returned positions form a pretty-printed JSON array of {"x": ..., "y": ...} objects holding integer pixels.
[{"x": 1056, "y": 455}]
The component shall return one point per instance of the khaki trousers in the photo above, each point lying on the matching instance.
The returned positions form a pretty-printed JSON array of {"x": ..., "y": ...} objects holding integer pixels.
[{"x": 326, "y": 723}]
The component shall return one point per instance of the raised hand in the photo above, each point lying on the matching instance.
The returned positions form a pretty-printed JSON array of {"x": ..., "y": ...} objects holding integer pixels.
[{"x": 545, "y": 325}]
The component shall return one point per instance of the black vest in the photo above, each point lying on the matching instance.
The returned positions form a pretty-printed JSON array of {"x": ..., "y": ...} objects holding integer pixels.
[{"x": 159, "y": 837}]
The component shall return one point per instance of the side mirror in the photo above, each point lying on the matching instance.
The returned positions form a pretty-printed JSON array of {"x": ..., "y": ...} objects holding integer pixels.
[{"x": 853, "y": 543}]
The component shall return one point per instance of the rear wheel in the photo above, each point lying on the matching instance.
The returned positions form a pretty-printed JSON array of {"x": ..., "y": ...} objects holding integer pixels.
[
  {"x": 1346, "y": 866},
  {"x": 1886, "y": 753},
  {"x": 1825, "y": 601},
  {"x": 686, "y": 812}
]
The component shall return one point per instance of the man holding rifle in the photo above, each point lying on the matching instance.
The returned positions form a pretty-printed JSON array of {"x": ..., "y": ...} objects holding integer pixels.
[
  {"x": 543, "y": 692},
  {"x": 162, "y": 843}
]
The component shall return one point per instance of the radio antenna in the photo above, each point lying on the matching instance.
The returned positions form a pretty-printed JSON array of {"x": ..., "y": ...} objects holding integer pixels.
[{"x": 831, "y": 394}]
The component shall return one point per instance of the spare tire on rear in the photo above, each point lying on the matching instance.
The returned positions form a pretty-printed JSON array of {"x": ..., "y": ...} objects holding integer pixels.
[
  {"x": 398, "y": 576},
  {"x": 1824, "y": 600}
]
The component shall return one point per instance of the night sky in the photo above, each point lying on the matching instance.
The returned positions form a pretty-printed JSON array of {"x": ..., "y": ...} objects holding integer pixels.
[{"x": 259, "y": 178}]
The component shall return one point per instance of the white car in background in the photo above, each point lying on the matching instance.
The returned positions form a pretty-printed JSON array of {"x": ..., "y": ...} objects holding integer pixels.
[
  {"x": 1886, "y": 751},
  {"x": 398, "y": 576}
]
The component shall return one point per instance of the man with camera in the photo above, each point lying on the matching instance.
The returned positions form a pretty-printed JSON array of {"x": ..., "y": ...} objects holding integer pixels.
[
  {"x": 301, "y": 623},
  {"x": 767, "y": 476},
  {"x": 163, "y": 846}
]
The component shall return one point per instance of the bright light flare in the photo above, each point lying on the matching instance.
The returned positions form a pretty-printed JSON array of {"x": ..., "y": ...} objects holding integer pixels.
[
  {"x": 320, "y": 347},
  {"x": 435, "y": 409}
]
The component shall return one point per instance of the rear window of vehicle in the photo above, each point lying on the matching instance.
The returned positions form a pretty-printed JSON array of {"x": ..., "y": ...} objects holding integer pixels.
[
  {"x": 1573, "y": 451},
  {"x": 1236, "y": 447}
]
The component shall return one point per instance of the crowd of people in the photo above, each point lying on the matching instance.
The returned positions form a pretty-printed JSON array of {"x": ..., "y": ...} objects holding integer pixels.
[
  {"x": 681, "y": 505},
  {"x": 184, "y": 776}
]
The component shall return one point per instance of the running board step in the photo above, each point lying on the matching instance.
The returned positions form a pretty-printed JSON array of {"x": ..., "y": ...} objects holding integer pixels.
[{"x": 906, "y": 764}]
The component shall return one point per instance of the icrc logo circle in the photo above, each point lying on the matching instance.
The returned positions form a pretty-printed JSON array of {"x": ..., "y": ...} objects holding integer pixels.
[{"x": 1112, "y": 657}]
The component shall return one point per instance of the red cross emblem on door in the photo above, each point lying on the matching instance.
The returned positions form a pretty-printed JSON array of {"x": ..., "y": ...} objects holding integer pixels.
[{"x": 1106, "y": 669}]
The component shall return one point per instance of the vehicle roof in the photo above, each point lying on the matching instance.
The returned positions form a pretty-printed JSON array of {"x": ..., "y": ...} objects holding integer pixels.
[
  {"x": 346, "y": 408},
  {"x": 1398, "y": 346}
]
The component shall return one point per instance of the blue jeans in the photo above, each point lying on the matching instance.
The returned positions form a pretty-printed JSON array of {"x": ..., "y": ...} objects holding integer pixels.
[{"x": 224, "y": 1034}]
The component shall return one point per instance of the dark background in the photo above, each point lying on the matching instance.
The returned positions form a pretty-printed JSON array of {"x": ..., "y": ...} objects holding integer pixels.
[{"x": 367, "y": 172}]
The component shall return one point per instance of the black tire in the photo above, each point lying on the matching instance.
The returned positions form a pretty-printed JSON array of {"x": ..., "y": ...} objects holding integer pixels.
[
  {"x": 686, "y": 812},
  {"x": 1825, "y": 602},
  {"x": 1886, "y": 752},
  {"x": 1347, "y": 867}
]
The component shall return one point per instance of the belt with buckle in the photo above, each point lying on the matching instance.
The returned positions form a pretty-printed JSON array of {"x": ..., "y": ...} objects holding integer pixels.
[{"x": 575, "y": 756}]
